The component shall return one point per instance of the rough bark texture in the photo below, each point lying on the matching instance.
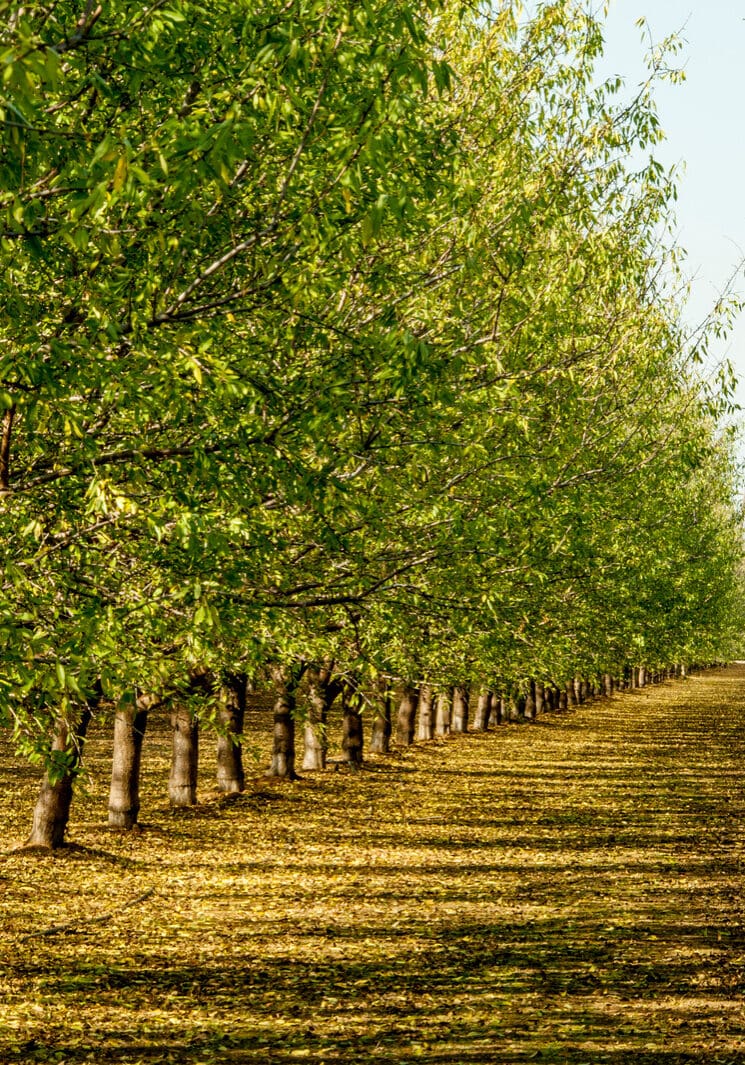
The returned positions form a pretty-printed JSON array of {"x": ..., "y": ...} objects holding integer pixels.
[
  {"x": 460, "y": 709},
  {"x": 530, "y": 703},
  {"x": 483, "y": 711},
  {"x": 443, "y": 714},
  {"x": 52, "y": 810},
  {"x": 182, "y": 785},
  {"x": 286, "y": 680},
  {"x": 380, "y": 736},
  {"x": 540, "y": 697},
  {"x": 321, "y": 694},
  {"x": 230, "y": 775},
  {"x": 352, "y": 736},
  {"x": 406, "y": 715},
  {"x": 129, "y": 731},
  {"x": 425, "y": 717}
]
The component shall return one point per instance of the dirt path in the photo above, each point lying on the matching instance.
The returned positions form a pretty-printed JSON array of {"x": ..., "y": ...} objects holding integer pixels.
[{"x": 567, "y": 892}]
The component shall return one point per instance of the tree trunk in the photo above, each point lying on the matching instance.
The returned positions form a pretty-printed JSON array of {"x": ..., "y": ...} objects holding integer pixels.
[
  {"x": 563, "y": 699},
  {"x": 608, "y": 683},
  {"x": 571, "y": 693},
  {"x": 380, "y": 735},
  {"x": 182, "y": 785},
  {"x": 130, "y": 722},
  {"x": 407, "y": 716},
  {"x": 483, "y": 711},
  {"x": 230, "y": 776},
  {"x": 443, "y": 714},
  {"x": 352, "y": 737},
  {"x": 322, "y": 692},
  {"x": 286, "y": 680},
  {"x": 52, "y": 810},
  {"x": 425, "y": 717},
  {"x": 540, "y": 698},
  {"x": 460, "y": 709},
  {"x": 529, "y": 711}
]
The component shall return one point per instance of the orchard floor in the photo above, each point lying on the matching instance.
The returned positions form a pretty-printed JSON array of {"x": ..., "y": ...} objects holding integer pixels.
[{"x": 568, "y": 892}]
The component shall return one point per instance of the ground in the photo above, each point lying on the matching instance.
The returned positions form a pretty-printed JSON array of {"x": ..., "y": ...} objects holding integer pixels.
[{"x": 567, "y": 892}]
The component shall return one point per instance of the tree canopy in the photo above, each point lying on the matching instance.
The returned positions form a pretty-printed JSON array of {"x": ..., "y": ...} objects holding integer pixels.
[{"x": 342, "y": 330}]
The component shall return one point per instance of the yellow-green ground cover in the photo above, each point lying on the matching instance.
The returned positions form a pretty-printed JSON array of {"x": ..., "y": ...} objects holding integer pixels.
[{"x": 569, "y": 892}]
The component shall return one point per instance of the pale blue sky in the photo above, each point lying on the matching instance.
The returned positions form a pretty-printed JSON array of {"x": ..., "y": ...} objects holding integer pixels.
[{"x": 704, "y": 120}]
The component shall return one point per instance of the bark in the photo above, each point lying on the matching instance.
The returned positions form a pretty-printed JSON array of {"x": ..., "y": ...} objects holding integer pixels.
[
  {"x": 182, "y": 785},
  {"x": 380, "y": 735},
  {"x": 540, "y": 698},
  {"x": 571, "y": 693},
  {"x": 5, "y": 438},
  {"x": 578, "y": 694},
  {"x": 517, "y": 707},
  {"x": 321, "y": 694},
  {"x": 483, "y": 711},
  {"x": 130, "y": 722},
  {"x": 563, "y": 699},
  {"x": 52, "y": 810},
  {"x": 425, "y": 717},
  {"x": 608, "y": 683},
  {"x": 407, "y": 715},
  {"x": 460, "y": 709},
  {"x": 642, "y": 677},
  {"x": 286, "y": 680},
  {"x": 231, "y": 778},
  {"x": 443, "y": 714},
  {"x": 529, "y": 710},
  {"x": 352, "y": 737}
]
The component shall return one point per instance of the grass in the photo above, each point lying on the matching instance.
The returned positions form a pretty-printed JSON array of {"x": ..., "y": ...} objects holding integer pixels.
[{"x": 566, "y": 892}]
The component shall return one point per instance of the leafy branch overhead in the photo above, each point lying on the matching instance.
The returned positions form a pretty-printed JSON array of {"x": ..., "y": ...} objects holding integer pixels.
[{"x": 341, "y": 331}]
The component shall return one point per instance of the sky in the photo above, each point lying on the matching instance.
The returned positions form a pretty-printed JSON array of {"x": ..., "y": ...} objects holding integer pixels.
[{"x": 704, "y": 122}]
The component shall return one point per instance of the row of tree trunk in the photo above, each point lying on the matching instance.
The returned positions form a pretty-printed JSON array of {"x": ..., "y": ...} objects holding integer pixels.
[{"x": 422, "y": 713}]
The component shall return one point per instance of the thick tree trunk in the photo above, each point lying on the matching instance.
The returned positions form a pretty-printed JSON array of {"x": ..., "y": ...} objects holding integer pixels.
[
  {"x": 460, "y": 709},
  {"x": 563, "y": 699},
  {"x": 130, "y": 722},
  {"x": 608, "y": 683},
  {"x": 540, "y": 698},
  {"x": 443, "y": 714},
  {"x": 407, "y": 716},
  {"x": 530, "y": 703},
  {"x": 321, "y": 694},
  {"x": 286, "y": 680},
  {"x": 182, "y": 785},
  {"x": 231, "y": 778},
  {"x": 380, "y": 735},
  {"x": 52, "y": 810},
  {"x": 425, "y": 717},
  {"x": 516, "y": 707},
  {"x": 571, "y": 693},
  {"x": 352, "y": 736},
  {"x": 483, "y": 711}
]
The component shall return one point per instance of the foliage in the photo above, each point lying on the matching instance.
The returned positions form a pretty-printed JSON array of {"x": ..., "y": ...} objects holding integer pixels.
[{"x": 340, "y": 332}]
